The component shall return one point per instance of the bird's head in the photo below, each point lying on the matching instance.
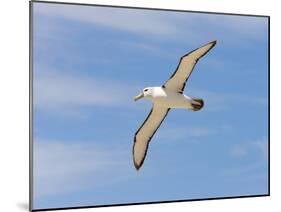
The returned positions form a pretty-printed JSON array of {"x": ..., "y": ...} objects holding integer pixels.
[{"x": 146, "y": 92}]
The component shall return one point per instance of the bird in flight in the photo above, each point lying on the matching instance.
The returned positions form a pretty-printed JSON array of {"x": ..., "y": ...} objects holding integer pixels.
[{"x": 170, "y": 95}]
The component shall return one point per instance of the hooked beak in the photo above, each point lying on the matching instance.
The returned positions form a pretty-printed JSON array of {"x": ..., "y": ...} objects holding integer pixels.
[{"x": 141, "y": 95}]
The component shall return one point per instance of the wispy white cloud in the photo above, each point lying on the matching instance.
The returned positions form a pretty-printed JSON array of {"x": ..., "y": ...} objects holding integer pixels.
[
  {"x": 61, "y": 167},
  {"x": 190, "y": 133},
  {"x": 259, "y": 147},
  {"x": 66, "y": 90},
  {"x": 134, "y": 21},
  {"x": 152, "y": 48},
  {"x": 218, "y": 101},
  {"x": 262, "y": 146},
  {"x": 161, "y": 24},
  {"x": 245, "y": 26},
  {"x": 238, "y": 151},
  {"x": 251, "y": 158}
]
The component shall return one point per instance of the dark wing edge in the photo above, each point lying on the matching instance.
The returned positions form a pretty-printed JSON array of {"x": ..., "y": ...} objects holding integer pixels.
[
  {"x": 213, "y": 44},
  {"x": 138, "y": 166}
]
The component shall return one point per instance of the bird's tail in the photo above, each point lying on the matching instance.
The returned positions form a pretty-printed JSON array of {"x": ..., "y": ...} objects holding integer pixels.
[{"x": 197, "y": 104}]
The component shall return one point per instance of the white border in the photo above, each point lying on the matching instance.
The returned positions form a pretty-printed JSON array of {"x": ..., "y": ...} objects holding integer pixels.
[{"x": 14, "y": 105}]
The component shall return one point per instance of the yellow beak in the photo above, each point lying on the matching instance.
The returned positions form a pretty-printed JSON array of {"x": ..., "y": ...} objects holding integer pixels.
[{"x": 139, "y": 96}]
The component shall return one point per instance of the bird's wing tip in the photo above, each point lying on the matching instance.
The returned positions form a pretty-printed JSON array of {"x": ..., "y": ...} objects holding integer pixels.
[
  {"x": 211, "y": 44},
  {"x": 137, "y": 166},
  {"x": 214, "y": 42}
]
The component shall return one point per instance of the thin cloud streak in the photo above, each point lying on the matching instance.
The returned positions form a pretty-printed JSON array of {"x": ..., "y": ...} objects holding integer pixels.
[
  {"x": 162, "y": 25},
  {"x": 217, "y": 101},
  {"x": 59, "y": 165},
  {"x": 67, "y": 90},
  {"x": 190, "y": 133},
  {"x": 246, "y": 149},
  {"x": 133, "y": 21}
]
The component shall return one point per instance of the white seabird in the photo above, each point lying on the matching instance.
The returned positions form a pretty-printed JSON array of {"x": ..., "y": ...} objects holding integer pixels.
[{"x": 168, "y": 96}]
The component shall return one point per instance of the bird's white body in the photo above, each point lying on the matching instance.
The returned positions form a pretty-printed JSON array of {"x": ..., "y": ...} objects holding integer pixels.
[{"x": 169, "y": 99}]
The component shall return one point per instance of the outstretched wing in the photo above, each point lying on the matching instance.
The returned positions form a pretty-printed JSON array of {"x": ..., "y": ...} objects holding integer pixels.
[
  {"x": 185, "y": 67},
  {"x": 146, "y": 132}
]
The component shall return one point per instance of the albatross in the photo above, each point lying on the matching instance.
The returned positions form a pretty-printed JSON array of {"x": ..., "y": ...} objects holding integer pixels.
[{"x": 170, "y": 95}]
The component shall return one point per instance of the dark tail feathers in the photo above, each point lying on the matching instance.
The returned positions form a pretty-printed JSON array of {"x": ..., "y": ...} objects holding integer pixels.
[{"x": 197, "y": 104}]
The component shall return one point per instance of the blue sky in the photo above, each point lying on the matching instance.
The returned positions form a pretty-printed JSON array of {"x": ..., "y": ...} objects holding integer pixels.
[{"x": 89, "y": 63}]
